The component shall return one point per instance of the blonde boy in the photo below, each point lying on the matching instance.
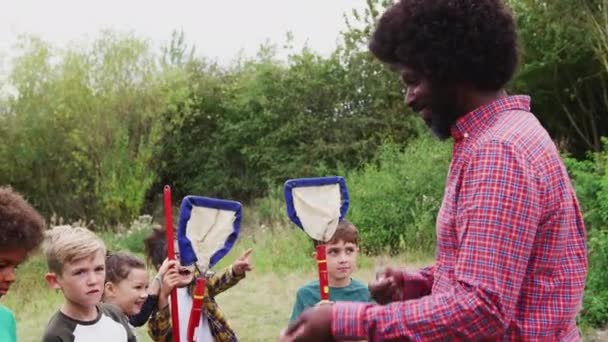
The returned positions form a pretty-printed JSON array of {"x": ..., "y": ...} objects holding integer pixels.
[
  {"x": 76, "y": 262},
  {"x": 342, "y": 250}
]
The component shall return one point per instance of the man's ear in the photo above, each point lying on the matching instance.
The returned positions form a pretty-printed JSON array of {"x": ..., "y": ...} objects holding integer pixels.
[{"x": 52, "y": 280}]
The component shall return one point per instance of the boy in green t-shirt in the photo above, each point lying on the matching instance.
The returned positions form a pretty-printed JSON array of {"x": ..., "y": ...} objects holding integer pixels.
[
  {"x": 342, "y": 250},
  {"x": 21, "y": 231}
]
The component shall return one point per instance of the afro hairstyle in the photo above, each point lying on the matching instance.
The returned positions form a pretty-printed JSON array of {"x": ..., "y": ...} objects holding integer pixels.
[{"x": 459, "y": 41}]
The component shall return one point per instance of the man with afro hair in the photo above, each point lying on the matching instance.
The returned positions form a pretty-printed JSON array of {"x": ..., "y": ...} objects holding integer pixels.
[{"x": 511, "y": 258}]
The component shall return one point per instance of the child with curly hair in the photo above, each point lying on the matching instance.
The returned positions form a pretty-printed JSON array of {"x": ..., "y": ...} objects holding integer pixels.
[{"x": 21, "y": 232}]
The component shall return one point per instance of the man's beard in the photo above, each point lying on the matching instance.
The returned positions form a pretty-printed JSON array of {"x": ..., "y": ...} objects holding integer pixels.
[
  {"x": 441, "y": 124},
  {"x": 444, "y": 113}
]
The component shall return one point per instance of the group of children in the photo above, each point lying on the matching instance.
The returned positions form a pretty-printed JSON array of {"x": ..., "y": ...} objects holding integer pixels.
[{"x": 106, "y": 294}]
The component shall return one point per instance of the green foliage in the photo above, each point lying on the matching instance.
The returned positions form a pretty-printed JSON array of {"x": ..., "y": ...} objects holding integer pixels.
[
  {"x": 394, "y": 198},
  {"x": 395, "y": 201},
  {"x": 591, "y": 183},
  {"x": 271, "y": 210},
  {"x": 77, "y": 130},
  {"x": 590, "y": 180},
  {"x": 132, "y": 238},
  {"x": 561, "y": 69},
  {"x": 595, "y": 303},
  {"x": 236, "y": 133}
]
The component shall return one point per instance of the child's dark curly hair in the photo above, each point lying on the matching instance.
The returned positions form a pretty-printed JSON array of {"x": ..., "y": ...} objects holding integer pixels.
[
  {"x": 472, "y": 41},
  {"x": 21, "y": 226}
]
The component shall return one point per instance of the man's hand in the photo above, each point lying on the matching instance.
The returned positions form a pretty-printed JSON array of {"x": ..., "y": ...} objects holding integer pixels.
[
  {"x": 313, "y": 325},
  {"x": 243, "y": 263},
  {"x": 388, "y": 286},
  {"x": 393, "y": 285}
]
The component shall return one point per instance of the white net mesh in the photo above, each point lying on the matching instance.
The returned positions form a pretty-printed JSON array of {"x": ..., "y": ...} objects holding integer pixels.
[
  {"x": 318, "y": 208},
  {"x": 208, "y": 229}
]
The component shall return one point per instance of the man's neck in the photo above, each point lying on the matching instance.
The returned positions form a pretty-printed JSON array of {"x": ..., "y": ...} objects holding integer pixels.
[
  {"x": 79, "y": 312},
  {"x": 339, "y": 282},
  {"x": 477, "y": 99}
]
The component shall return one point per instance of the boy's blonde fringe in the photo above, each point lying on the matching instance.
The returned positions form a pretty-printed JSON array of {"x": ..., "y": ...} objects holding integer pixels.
[{"x": 64, "y": 244}]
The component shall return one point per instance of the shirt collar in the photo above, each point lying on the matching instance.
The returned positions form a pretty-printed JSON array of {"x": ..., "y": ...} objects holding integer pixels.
[{"x": 483, "y": 117}]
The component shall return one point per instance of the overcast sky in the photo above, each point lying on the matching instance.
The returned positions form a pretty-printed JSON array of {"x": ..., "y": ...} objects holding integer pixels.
[{"x": 218, "y": 28}]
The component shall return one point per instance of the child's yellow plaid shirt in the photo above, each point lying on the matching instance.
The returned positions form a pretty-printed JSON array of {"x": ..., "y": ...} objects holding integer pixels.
[{"x": 159, "y": 325}]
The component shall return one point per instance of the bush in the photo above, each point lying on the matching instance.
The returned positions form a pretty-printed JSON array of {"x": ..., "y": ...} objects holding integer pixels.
[
  {"x": 77, "y": 127},
  {"x": 271, "y": 210},
  {"x": 591, "y": 184},
  {"x": 394, "y": 201},
  {"x": 237, "y": 132},
  {"x": 132, "y": 239},
  {"x": 595, "y": 303}
]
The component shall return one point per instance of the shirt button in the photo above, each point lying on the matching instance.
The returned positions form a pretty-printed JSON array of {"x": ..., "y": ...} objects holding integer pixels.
[{"x": 466, "y": 135}]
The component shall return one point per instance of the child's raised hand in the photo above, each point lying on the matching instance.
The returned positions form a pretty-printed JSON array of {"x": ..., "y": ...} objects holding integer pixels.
[
  {"x": 243, "y": 263},
  {"x": 157, "y": 283},
  {"x": 170, "y": 280},
  {"x": 165, "y": 266}
]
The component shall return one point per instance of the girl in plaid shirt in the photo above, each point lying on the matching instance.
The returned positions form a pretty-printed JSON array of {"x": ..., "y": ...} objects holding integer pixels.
[{"x": 214, "y": 326}]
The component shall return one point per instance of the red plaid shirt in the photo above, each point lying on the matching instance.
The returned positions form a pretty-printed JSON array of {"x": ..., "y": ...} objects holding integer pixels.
[{"x": 511, "y": 251}]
